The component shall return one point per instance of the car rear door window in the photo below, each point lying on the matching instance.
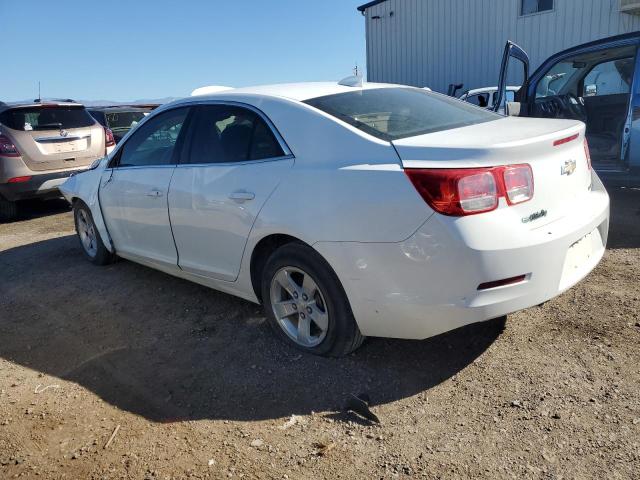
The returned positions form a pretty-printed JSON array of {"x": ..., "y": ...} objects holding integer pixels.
[
  {"x": 47, "y": 118},
  {"x": 154, "y": 142},
  {"x": 225, "y": 133}
]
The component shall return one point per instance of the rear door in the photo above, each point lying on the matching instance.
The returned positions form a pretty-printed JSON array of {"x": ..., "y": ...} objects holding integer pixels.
[
  {"x": 53, "y": 137},
  {"x": 234, "y": 160},
  {"x": 133, "y": 192}
]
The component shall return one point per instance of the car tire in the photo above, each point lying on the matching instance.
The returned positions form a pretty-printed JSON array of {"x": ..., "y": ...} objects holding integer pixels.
[
  {"x": 89, "y": 237},
  {"x": 320, "y": 308},
  {"x": 8, "y": 210}
]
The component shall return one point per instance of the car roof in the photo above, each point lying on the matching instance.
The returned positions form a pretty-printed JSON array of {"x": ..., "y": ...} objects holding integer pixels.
[
  {"x": 44, "y": 103},
  {"x": 119, "y": 108},
  {"x": 293, "y": 91},
  {"x": 489, "y": 89}
]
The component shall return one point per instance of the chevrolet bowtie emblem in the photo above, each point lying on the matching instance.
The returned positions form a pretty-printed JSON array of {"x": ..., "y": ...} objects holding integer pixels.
[{"x": 568, "y": 168}]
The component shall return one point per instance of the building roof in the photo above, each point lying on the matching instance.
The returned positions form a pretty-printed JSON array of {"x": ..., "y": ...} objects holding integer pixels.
[{"x": 362, "y": 8}]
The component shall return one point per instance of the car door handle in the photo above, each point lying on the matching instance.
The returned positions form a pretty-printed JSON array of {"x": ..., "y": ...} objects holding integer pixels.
[
  {"x": 242, "y": 196},
  {"x": 154, "y": 193}
]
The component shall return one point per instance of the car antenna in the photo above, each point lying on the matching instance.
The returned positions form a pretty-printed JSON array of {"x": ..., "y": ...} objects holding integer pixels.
[
  {"x": 354, "y": 80},
  {"x": 39, "y": 97}
]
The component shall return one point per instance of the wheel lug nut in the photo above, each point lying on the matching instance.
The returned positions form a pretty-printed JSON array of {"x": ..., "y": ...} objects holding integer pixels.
[
  {"x": 303, "y": 316},
  {"x": 304, "y": 297},
  {"x": 295, "y": 294},
  {"x": 295, "y": 307},
  {"x": 308, "y": 309}
]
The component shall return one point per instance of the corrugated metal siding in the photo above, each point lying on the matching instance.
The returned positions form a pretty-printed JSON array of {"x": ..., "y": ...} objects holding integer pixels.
[{"x": 437, "y": 42}]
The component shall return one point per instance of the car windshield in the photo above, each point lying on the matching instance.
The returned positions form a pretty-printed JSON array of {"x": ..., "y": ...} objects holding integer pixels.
[
  {"x": 46, "y": 118},
  {"x": 394, "y": 113},
  {"x": 124, "y": 120}
]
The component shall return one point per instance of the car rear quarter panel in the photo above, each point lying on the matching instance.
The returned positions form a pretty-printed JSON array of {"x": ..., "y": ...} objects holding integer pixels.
[{"x": 345, "y": 186}]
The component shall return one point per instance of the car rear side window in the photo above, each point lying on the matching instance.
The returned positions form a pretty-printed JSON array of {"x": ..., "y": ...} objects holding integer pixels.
[
  {"x": 224, "y": 133},
  {"x": 394, "y": 113},
  {"x": 154, "y": 142},
  {"x": 46, "y": 118}
]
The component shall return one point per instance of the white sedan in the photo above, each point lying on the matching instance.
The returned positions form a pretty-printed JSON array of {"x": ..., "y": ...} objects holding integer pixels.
[{"x": 350, "y": 211}]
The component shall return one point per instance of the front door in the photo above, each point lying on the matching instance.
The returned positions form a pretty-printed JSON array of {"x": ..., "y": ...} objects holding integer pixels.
[
  {"x": 592, "y": 86},
  {"x": 232, "y": 162},
  {"x": 133, "y": 192}
]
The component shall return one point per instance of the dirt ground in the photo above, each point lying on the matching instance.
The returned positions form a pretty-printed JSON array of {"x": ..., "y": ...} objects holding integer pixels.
[{"x": 195, "y": 386}]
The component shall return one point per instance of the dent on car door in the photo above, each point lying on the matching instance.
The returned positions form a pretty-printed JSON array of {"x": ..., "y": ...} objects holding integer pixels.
[
  {"x": 133, "y": 191},
  {"x": 232, "y": 163}
]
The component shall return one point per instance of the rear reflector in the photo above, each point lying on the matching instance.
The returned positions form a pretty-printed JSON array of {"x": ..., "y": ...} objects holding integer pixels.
[
  {"x": 469, "y": 191},
  {"x": 562, "y": 141},
  {"x": 587, "y": 152},
  {"x": 18, "y": 179},
  {"x": 502, "y": 283},
  {"x": 7, "y": 149}
]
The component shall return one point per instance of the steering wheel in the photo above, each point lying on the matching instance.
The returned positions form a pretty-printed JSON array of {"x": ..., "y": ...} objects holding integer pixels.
[{"x": 574, "y": 107}]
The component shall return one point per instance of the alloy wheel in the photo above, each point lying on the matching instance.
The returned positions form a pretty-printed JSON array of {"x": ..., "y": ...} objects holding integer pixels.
[{"x": 299, "y": 306}]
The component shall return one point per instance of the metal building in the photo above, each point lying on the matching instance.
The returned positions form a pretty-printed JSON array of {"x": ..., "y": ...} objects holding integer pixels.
[{"x": 438, "y": 42}]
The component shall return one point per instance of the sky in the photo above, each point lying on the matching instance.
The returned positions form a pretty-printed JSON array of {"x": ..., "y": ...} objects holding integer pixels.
[{"x": 141, "y": 49}]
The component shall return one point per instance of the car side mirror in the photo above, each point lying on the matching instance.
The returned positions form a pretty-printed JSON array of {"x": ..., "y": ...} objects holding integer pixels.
[
  {"x": 513, "y": 109},
  {"x": 590, "y": 90}
]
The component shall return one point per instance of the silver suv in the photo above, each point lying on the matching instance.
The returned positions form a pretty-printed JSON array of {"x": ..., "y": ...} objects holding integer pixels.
[{"x": 41, "y": 144}]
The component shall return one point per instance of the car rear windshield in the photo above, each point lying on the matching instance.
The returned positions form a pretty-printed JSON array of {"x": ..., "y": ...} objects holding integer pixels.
[
  {"x": 46, "y": 118},
  {"x": 124, "y": 120},
  {"x": 394, "y": 113}
]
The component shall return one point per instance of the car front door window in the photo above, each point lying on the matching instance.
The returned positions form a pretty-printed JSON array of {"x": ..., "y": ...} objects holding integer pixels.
[
  {"x": 154, "y": 142},
  {"x": 133, "y": 196}
]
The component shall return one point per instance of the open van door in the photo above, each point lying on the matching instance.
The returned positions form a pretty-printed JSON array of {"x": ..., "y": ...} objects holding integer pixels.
[{"x": 595, "y": 83}]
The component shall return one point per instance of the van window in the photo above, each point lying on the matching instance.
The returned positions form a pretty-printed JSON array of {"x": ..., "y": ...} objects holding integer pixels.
[
  {"x": 394, "y": 113},
  {"x": 609, "y": 78}
]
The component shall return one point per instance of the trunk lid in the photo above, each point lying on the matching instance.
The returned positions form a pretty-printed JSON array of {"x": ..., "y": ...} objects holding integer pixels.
[{"x": 560, "y": 172}]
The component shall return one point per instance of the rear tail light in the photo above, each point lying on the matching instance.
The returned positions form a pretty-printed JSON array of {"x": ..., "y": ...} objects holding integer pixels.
[
  {"x": 7, "y": 148},
  {"x": 587, "y": 153},
  {"x": 19, "y": 179},
  {"x": 109, "y": 140},
  {"x": 518, "y": 183},
  {"x": 469, "y": 191}
]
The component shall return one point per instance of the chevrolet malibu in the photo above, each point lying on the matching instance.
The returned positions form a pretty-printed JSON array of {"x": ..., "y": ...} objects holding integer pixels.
[{"x": 349, "y": 209}]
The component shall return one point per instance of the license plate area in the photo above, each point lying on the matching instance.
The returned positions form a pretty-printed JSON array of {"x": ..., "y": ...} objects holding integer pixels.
[{"x": 581, "y": 258}]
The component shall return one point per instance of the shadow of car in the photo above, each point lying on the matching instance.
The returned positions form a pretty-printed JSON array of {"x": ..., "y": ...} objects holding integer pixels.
[{"x": 170, "y": 350}]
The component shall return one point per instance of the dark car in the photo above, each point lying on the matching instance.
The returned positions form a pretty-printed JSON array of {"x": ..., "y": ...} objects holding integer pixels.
[{"x": 120, "y": 119}]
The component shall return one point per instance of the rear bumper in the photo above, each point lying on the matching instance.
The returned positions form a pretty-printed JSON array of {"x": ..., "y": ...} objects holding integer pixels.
[
  {"x": 41, "y": 185},
  {"x": 428, "y": 284}
]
